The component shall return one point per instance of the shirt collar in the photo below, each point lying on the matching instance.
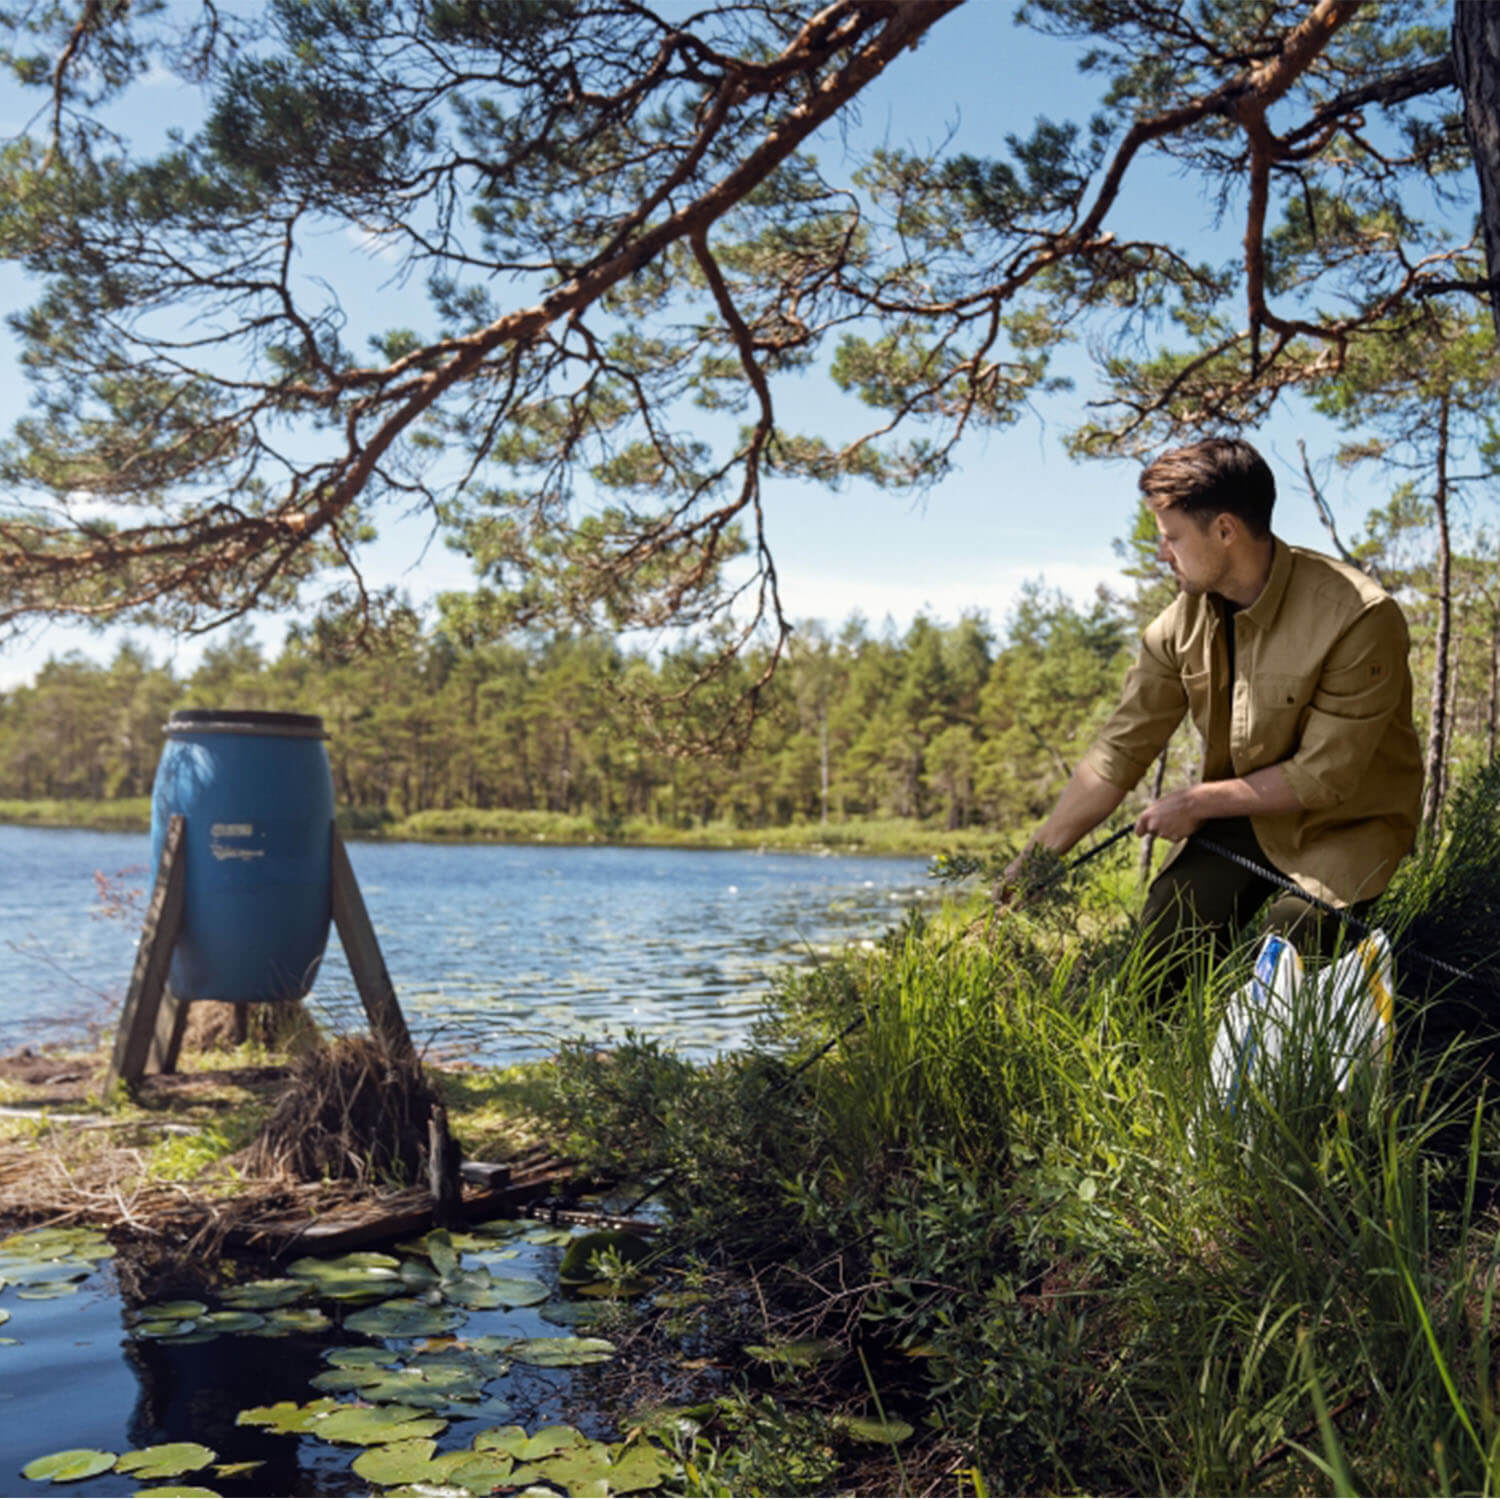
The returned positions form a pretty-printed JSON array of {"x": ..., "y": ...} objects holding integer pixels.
[{"x": 1268, "y": 601}]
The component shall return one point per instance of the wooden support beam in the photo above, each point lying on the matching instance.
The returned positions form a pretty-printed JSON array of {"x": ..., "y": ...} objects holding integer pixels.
[
  {"x": 166, "y": 1036},
  {"x": 148, "y": 979},
  {"x": 366, "y": 963}
]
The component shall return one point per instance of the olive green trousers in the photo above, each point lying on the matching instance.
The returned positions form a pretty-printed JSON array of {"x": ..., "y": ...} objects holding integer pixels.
[{"x": 1204, "y": 903}]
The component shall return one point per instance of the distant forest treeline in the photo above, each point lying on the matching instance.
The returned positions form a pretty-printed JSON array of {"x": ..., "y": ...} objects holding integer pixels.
[{"x": 957, "y": 725}]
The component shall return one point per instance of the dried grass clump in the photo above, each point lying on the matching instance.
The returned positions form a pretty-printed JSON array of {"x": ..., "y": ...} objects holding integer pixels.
[
  {"x": 218, "y": 1026},
  {"x": 347, "y": 1111}
]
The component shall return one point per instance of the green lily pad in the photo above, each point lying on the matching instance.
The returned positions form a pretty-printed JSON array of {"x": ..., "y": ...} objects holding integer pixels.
[
  {"x": 349, "y": 1278},
  {"x": 482, "y": 1473},
  {"x": 406, "y": 1462},
  {"x": 69, "y": 1464},
  {"x": 280, "y": 1321},
  {"x": 170, "y": 1312},
  {"x": 287, "y": 1416},
  {"x": 638, "y": 1466},
  {"x": 349, "y": 1355},
  {"x": 401, "y": 1318},
  {"x": 563, "y": 1351},
  {"x": 4, "y": 1315},
  {"x": 518, "y": 1291},
  {"x": 873, "y": 1430},
  {"x": 42, "y": 1291},
  {"x": 548, "y": 1236},
  {"x": 546, "y": 1442},
  {"x": 165, "y": 1460},
  {"x": 501, "y": 1229},
  {"x": 163, "y": 1328},
  {"x": 417, "y": 1273},
  {"x": 230, "y": 1321},
  {"x": 630, "y": 1286},
  {"x": 582, "y": 1470},
  {"x": 56, "y": 1243},
  {"x": 578, "y": 1261},
  {"x": 244, "y": 1466},
  {"x": 33, "y": 1272},
  {"x": 367, "y": 1426},
  {"x": 276, "y": 1291},
  {"x": 568, "y": 1314}
]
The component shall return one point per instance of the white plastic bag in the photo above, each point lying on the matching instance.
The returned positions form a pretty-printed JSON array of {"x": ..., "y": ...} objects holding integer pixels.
[{"x": 1285, "y": 1020}]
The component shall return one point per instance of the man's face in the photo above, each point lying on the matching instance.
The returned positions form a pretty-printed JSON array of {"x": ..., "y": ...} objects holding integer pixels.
[{"x": 1198, "y": 555}]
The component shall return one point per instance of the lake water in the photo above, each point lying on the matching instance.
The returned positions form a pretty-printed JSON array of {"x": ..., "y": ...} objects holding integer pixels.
[{"x": 495, "y": 950}]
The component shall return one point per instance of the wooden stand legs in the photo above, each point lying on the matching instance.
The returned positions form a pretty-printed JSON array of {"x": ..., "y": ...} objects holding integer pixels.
[{"x": 152, "y": 1020}]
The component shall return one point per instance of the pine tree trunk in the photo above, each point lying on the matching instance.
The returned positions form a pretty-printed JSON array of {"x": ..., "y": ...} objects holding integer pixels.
[
  {"x": 1490, "y": 709},
  {"x": 1476, "y": 64},
  {"x": 1432, "y": 801}
]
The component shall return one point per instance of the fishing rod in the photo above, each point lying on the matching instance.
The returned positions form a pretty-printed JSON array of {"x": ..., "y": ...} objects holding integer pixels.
[{"x": 1365, "y": 929}]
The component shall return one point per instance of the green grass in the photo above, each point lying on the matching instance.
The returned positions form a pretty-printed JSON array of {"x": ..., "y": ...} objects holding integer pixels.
[
  {"x": 1014, "y": 1167},
  {"x": 522, "y": 826},
  {"x": 120, "y": 814}
]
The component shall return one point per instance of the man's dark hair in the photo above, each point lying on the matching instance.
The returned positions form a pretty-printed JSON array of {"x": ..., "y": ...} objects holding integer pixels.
[{"x": 1208, "y": 478}]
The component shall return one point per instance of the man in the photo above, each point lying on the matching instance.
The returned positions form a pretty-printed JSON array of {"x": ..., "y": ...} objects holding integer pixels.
[{"x": 1294, "y": 668}]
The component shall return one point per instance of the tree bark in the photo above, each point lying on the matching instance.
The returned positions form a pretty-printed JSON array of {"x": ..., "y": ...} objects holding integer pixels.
[
  {"x": 1437, "y": 726},
  {"x": 1476, "y": 64}
]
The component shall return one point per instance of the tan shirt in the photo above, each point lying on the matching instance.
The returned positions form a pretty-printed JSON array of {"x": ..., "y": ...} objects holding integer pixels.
[{"x": 1322, "y": 688}]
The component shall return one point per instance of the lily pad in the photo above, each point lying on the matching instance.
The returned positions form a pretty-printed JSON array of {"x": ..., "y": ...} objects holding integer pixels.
[
  {"x": 579, "y": 1262},
  {"x": 401, "y": 1318},
  {"x": 230, "y": 1321},
  {"x": 165, "y": 1460},
  {"x": 287, "y": 1416},
  {"x": 406, "y": 1462},
  {"x": 501, "y": 1229},
  {"x": 69, "y": 1464},
  {"x": 637, "y": 1466},
  {"x": 548, "y": 1236},
  {"x": 33, "y": 1272},
  {"x": 567, "y": 1314},
  {"x": 526, "y": 1447},
  {"x": 171, "y": 1312},
  {"x": 4, "y": 1315},
  {"x": 482, "y": 1473},
  {"x": 280, "y": 1321},
  {"x": 276, "y": 1291},
  {"x": 874, "y": 1430},
  {"x": 164, "y": 1328},
  {"x": 350, "y": 1355},
  {"x": 42, "y": 1291},
  {"x": 561, "y": 1352},
  {"x": 367, "y": 1426}
]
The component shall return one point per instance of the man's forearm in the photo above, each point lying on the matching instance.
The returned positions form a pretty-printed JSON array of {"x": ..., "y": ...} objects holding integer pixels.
[
  {"x": 1086, "y": 801},
  {"x": 1262, "y": 794}
]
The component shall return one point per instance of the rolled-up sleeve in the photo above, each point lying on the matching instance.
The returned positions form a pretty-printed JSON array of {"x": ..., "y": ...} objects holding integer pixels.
[
  {"x": 1359, "y": 689},
  {"x": 1151, "y": 707}
]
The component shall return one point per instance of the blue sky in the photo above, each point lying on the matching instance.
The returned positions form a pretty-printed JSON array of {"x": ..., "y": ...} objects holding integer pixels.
[{"x": 1018, "y": 508}]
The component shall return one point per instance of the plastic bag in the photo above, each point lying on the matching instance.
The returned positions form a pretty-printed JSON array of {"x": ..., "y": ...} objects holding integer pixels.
[{"x": 1285, "y": 1026}]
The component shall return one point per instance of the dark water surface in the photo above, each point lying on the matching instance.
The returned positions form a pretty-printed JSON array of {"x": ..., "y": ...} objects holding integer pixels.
[{"x": 495, "y": 950}]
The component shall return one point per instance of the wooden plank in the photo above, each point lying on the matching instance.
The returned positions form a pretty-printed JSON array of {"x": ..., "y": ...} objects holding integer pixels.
[
  {"x": 485, "y": 1174},
  {"x": 166, "y": 1036},
  {"x": 138, "y": 1016},
  {"x": 442, "y": 1169},
  {"x": 366, "y": 963}
]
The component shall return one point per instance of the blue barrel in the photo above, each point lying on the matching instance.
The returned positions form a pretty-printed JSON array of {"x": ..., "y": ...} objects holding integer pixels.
[{"x": 257, "y": 795}]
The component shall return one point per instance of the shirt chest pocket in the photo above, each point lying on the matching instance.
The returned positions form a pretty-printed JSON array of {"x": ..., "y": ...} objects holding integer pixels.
[{"x": 1272, "y": 714}]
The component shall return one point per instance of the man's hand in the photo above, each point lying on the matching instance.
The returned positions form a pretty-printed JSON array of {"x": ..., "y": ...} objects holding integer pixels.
[
  {"x": 1031, "y": 871},
  {"x": 1178, "y": 815}
]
